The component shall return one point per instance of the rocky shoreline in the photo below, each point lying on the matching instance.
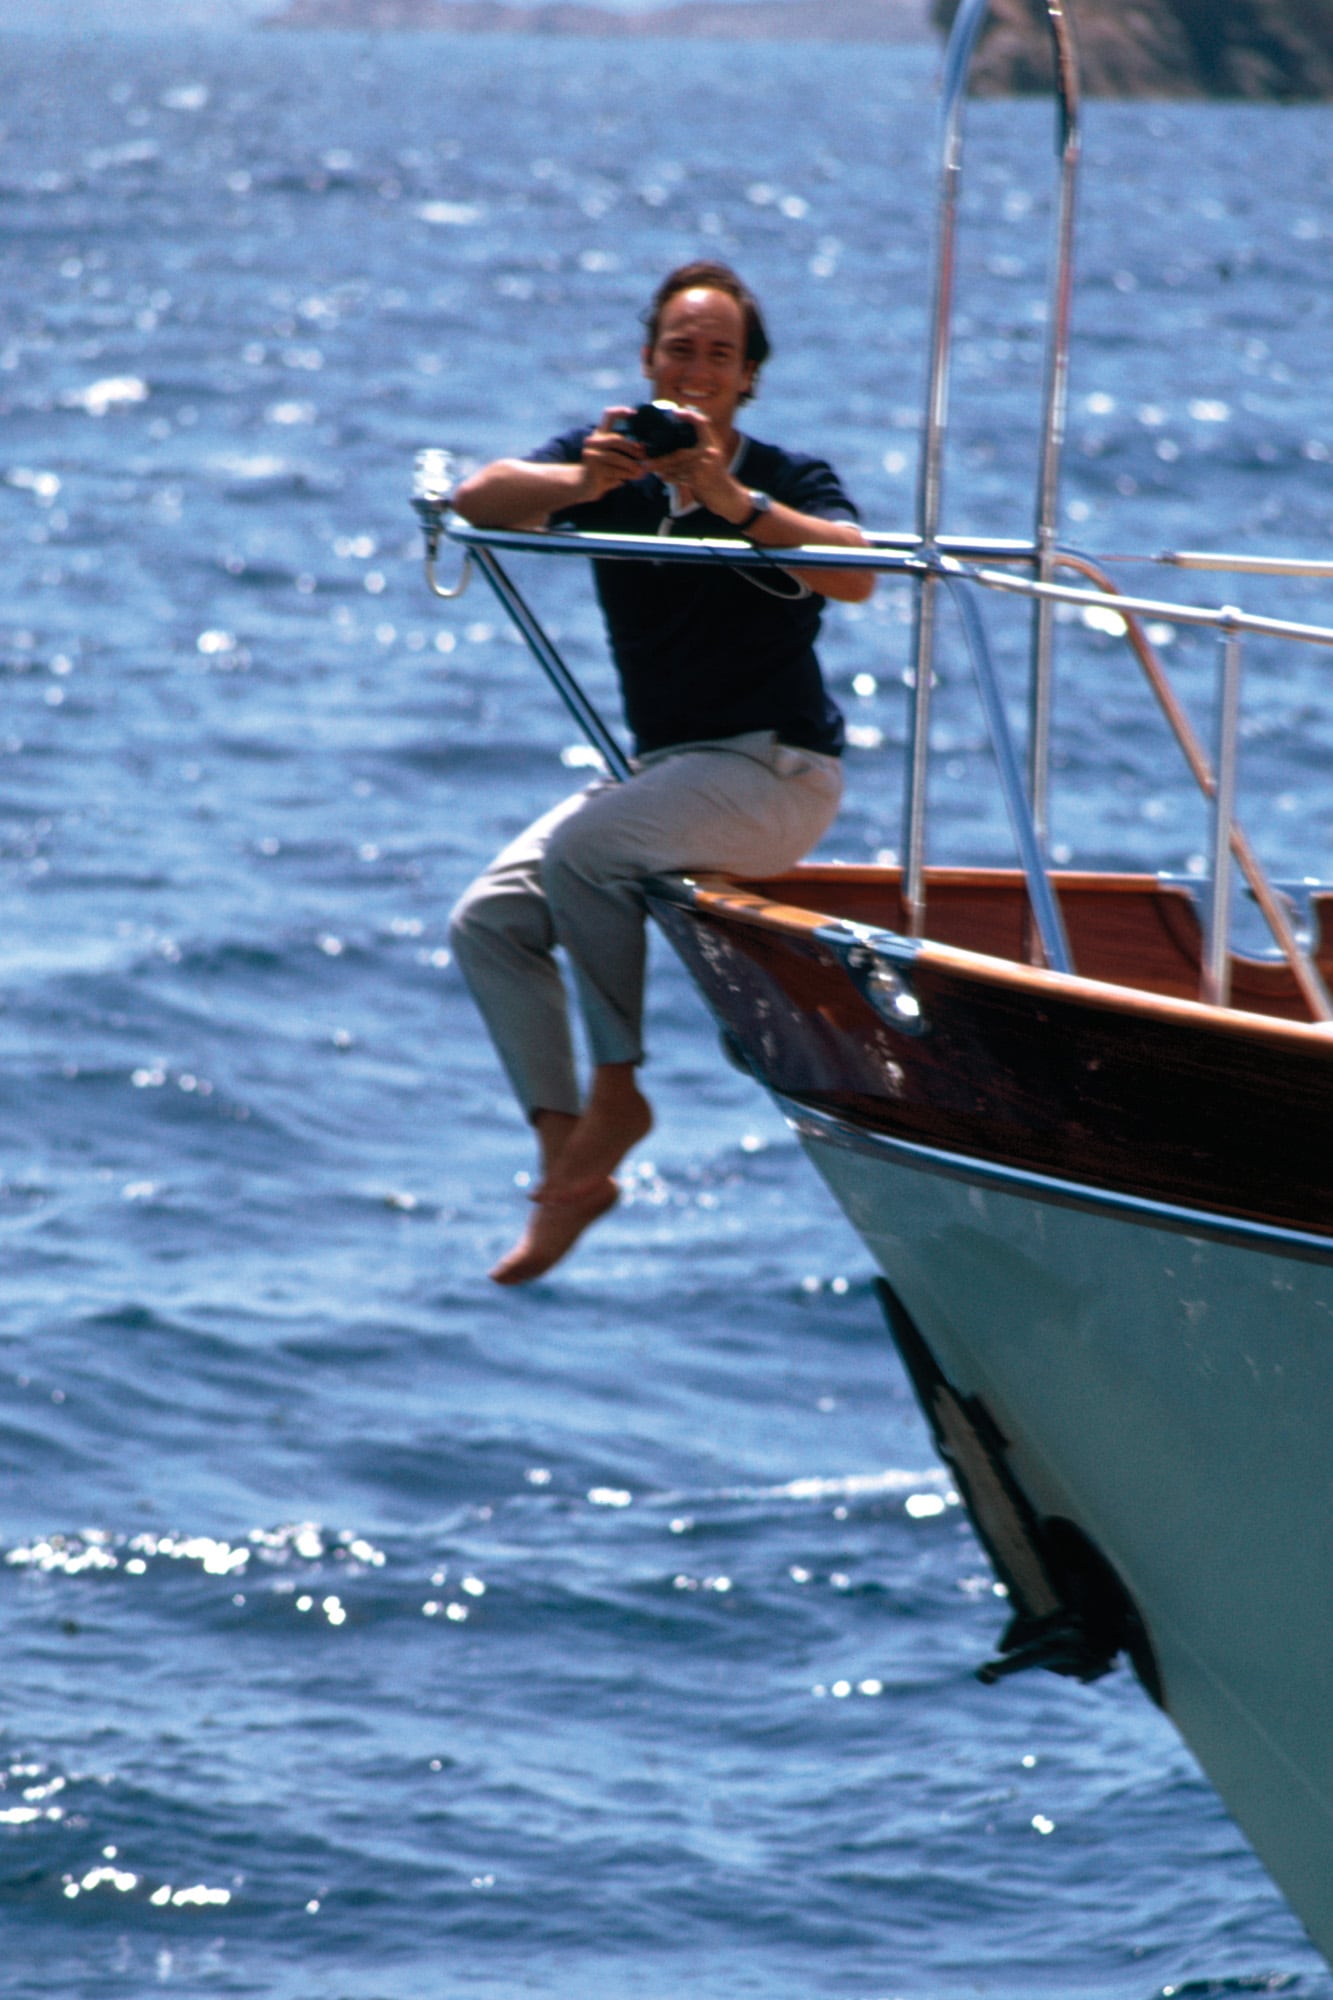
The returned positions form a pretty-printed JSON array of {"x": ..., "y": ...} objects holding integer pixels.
[{"x": 1259, "y": 49}]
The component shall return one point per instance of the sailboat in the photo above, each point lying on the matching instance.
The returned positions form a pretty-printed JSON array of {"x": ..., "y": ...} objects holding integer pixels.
[{"x": 1084, "y": 1137}]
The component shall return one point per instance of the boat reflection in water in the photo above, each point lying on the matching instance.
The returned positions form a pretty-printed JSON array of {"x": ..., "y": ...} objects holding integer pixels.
[{"x": 1085, "y": 1141}]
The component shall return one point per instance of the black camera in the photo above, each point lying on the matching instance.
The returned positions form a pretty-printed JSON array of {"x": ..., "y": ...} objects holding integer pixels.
[{"x": 660, "y": 428}]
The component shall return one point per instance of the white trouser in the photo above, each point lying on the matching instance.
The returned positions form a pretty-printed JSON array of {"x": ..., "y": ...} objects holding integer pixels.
[{"x": 747, "y": 806}]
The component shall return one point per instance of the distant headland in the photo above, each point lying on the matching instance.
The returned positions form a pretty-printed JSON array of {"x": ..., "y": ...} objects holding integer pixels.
[
  {"x": 754, "y": 21},
  {"x": 1261, "y": 49}
]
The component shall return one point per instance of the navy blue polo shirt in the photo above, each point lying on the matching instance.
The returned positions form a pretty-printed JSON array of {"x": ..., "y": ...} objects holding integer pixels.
[{"x": 703, "y": 651}]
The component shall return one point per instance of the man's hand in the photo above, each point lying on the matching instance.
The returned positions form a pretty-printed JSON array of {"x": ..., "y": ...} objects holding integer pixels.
[
  {"x": 610, "y": 459},
  {"x": 524, "y": 493},
  {"x": 704, "y": 474}
]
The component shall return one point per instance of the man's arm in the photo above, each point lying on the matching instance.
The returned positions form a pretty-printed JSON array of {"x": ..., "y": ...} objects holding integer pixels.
[
  {"x": 525, "y": 493},
  {"x": 705, "y": 473},
  {"x": 516, "y": 493},
  {"x": 785, "y": 528}
]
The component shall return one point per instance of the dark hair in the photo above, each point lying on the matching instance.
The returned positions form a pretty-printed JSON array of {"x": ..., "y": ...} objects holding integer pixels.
[{"x": 703, "y": 275}]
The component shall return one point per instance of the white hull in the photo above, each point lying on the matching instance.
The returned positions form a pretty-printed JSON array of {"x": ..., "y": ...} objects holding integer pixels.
[{"x": 1165, "y": 1382}]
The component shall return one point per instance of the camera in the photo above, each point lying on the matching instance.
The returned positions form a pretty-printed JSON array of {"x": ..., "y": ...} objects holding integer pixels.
[{"x": 659, "y": 427}]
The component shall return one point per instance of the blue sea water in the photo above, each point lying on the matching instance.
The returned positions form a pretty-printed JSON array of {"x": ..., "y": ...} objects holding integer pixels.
[{"x": 368, "y": 1634}]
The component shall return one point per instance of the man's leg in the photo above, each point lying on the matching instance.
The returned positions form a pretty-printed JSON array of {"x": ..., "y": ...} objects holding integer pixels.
[
  {"x": 749, "y": 814},
  {"x": 502, "y": 938}
]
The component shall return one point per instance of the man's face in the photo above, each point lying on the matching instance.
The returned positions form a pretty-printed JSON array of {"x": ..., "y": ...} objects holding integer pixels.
[{"x": 699, "y": 355}]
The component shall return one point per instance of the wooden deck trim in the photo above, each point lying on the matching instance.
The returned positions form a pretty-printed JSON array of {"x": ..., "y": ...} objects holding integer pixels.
[{"x": 716, "y": 895}]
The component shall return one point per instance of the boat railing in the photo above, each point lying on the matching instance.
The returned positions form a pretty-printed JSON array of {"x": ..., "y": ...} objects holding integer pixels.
[
  {"x": 963, "y": 38},
  {"x": 968, "y": 567}
]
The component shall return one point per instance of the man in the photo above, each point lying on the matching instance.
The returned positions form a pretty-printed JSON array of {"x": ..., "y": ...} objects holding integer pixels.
[{"x": 737, "y": 740}]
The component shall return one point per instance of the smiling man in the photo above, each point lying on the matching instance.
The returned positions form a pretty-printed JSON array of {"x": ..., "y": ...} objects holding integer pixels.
[{"x": 736, "y": 739}]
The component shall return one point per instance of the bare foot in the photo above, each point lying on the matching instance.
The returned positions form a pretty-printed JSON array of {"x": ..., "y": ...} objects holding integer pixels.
[
  {"x": 553, "y": 1230},
  {"x": 618, "y": 1115}
]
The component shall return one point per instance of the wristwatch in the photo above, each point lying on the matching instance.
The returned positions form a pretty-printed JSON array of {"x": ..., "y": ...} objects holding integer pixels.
[{"x": 760, "y": 503}]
